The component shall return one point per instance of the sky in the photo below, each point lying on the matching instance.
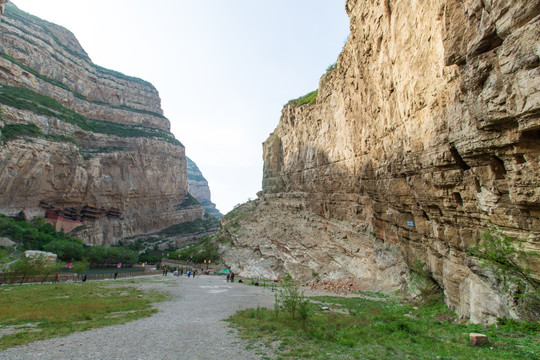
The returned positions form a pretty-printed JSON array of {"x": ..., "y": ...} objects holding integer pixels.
[{"x": 223, "y": 68}]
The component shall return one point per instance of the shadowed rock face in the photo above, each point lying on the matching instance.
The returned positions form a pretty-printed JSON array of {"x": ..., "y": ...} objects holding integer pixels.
[
  {"x": 99, "y": 148},
  {"x": 198, "y": 187},
  {"x": 426, "y": 130}
]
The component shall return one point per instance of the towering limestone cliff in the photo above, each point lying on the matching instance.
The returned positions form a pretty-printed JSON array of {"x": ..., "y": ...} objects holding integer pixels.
[
  {"x": 87, "y": 147},
  {"x": 426, "y": 130},
  {"x": 198, "y": 187}
]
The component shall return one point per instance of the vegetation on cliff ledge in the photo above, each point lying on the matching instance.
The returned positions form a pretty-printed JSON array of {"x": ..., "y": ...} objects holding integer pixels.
[
  {"x": 14, "y": 131},
  {"x": 309, "y": 98},
  {"x": 25, "y": 99}
]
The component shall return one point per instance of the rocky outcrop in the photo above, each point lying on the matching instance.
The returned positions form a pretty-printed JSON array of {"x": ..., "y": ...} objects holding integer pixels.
[
  {"x": 424, "y": 132},
  {"x": 2, "y": 6},
  {"x": 198, "y": 187},
  {"x": 83, "y": 143}
]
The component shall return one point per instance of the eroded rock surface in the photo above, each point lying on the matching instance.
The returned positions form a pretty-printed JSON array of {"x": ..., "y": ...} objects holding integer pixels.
[{"x": 426, "y": 130}]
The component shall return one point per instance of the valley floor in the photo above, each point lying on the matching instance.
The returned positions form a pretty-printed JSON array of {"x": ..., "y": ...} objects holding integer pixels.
[{"x": 188, "y": 326}]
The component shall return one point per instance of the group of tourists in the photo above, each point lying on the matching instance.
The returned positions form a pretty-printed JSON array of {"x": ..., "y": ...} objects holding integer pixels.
[{"x": 180, "y": 272}]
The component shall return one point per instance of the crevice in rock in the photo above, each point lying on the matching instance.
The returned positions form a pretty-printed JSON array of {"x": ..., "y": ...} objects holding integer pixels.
[
  {"x": 531, "y": 135},
  {"x": 477, "y": 185},
  {"x": 459, "y": 160},
  {"x": 497, "y": 165},
  {"x": 487, "y": 44},
  {"x": 458, "y": 198},
  {"x": 520, "y": 159}
]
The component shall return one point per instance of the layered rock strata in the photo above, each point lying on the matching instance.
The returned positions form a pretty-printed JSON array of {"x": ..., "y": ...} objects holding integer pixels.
[
  {"x": 426, "y": 130},
  {"x": 198, "y": 187},
  {"x": 81, "y": 142}
]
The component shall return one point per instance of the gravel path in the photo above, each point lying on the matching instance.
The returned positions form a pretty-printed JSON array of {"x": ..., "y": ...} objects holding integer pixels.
[{"x": 188, "y": 326}]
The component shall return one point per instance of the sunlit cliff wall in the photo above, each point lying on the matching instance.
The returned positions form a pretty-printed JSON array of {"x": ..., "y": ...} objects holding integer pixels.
[{"x": 426, "y": 130}]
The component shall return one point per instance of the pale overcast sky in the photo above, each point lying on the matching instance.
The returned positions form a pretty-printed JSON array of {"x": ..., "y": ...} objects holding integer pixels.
[{"x": 223, "y": 68}]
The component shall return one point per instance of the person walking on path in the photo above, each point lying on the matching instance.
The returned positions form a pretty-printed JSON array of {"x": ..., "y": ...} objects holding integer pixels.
[
  {"x": 55, "y": 278},
  {"x": 232, "y": 276},
  {"x": 228, "y": 277}
]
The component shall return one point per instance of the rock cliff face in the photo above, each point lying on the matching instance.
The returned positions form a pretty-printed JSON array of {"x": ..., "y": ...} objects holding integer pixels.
[
  {"x": 198, "y": 187},
  {"x": 426, "y": 130},
  {"x": 83, "y": 143}
]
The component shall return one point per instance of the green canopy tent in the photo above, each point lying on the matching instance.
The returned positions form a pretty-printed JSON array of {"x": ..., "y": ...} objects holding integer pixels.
[{"x": 225, "y": 271}]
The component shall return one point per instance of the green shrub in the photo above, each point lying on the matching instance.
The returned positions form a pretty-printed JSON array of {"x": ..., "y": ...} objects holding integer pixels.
[
  {"x": 292, "y": 300},
  {"x": 80, "y": 267},
  {"x": 423, "y": 284},
  {"x": 331, "y": 67}
]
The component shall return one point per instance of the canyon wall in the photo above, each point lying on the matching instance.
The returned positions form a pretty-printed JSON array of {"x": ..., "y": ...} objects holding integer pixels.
[
  {"x": 425, "y": 131},
  {"x": 81, "y": 144},
  {"x": 198, "y": 187}
]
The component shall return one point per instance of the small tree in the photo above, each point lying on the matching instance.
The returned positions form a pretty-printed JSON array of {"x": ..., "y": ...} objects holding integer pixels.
[
  {"x": 80, "y": 267},
  {"x": 25, "y": 267},
  {"x": 291, "y": 299},
  {"x": 50, "y": 268}
]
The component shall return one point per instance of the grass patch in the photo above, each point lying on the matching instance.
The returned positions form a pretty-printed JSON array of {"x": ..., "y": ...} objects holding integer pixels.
[
  {"x": 60, "y": 309},
  {"x": 310, "y": 99},
  {"x": 366, "y": 329},
  {"x": 14, "y": 131}
]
